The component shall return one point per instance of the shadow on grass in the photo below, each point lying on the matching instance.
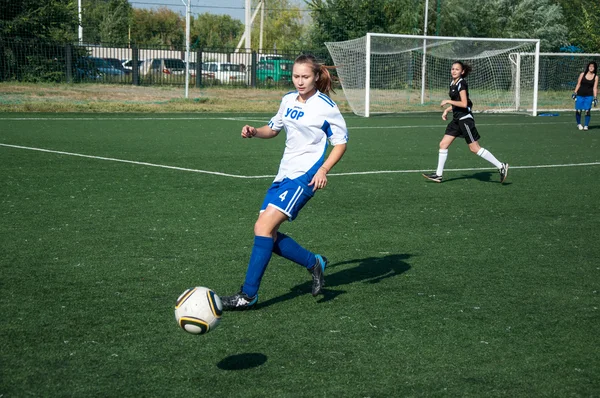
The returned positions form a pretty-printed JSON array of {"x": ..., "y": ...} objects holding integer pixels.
[
  {"x": 485, "y": 176},
  {"x": 242, "y": 361},
  {"x": 367, "y": 270}
]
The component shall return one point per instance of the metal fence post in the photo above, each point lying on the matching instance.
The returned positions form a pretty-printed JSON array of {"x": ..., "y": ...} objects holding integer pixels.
[
  {"x": 199, "y": 68},
  {"x": 69, "y": 63},
  {"x": 253, "y": 70},
  {"x": 135, "y": 69}
]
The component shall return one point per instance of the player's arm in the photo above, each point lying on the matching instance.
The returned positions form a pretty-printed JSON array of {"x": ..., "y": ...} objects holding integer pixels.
[
  {"x": 578, "y": 84},
  {"x": 463, "y": 103},
  {"x": 261, "y": 132},
  {"x": 319, "y": 180}
]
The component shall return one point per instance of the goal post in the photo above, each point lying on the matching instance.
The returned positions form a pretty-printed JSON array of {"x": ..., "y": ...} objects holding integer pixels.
[
  {"x": 389, "y": 73},
  {"x": 558, "y": 74}
]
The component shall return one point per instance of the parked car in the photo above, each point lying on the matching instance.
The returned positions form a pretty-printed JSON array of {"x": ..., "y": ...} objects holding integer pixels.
[
  {"x": 104, "y": 67},
  {"x": 275, "y": 70},
  {"x": 226, "y": 73},
  {"x": 117, "y": 64},
  {"x": 208, "y": 77},
  {"x": 93, "y": 68},
  {"x": 162, "y": 67},
  {"x": 128, "y": 64}
]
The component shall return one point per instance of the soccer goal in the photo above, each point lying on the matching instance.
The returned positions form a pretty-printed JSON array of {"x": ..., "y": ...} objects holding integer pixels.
[
  {"x": 558, "y": 77},
  {"x": 385, "y": 73}
]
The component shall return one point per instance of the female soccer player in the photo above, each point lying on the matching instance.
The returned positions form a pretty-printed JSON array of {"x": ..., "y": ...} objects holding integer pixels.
[
  {"x": 586, "y": 93},
  {"x": 310, "y": 119},
  {"x": 462, "y": 124}
]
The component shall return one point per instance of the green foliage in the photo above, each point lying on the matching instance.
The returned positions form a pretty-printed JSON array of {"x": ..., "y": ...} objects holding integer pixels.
[
  {"x": 215, "y": 31},
  {"x": 283, "y": 27},
  {"x": 49, "y": 20},
  {"x": 336, "y": 20},
  {"x": 106, "y": 21},
  {"x": 161, "y": 27},
  {"x": 583, "y": 19}
]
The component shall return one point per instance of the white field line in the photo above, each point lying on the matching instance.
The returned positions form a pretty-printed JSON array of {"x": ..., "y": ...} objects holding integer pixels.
[{"x": 272, "y": 176}]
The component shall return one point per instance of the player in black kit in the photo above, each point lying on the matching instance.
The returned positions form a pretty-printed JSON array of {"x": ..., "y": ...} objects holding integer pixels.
[{"x": 462, "y": 124}]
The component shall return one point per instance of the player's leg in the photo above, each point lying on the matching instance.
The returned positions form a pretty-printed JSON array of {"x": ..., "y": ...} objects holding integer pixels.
[
  {"x": 452, "y": 131},
  {"x": 578, "y": 119},
  {"x": 264, "y": 229},
  {"x": 287, "y": 247},
  {"x": 472, "y": 138},
  {"x": 588, "y": 117}
]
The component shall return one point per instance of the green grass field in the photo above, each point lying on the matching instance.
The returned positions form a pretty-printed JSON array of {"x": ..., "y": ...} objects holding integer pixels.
[{"x": 469, "y": 288}]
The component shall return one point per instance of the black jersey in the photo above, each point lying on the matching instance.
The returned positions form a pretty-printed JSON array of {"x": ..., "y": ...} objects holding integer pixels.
[
  {"x": 455, "y": 89},
  {"x": 586, "y": 88}
]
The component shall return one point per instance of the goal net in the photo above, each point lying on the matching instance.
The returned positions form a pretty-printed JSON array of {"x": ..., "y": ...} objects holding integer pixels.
[
  {"x": 384, "y": 73},
  {"x": 558, "y": 77}
]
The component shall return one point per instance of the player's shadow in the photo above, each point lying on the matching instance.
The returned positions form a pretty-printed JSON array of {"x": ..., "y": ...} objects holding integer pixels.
[
  {"x": 484, "y": 176},
  {"x": 367, "y": 270}
]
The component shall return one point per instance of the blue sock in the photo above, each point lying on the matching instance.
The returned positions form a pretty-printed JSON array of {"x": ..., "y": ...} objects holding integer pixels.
[
  {"x": 587, "y": 120},
  {"x": 578, "y": 117},
  {"x": 259, "y": 259},
  {"x": 287, "y": 247}
]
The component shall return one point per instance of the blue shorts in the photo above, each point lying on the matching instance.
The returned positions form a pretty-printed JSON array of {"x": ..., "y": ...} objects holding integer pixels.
[
  {"x": 583, "y": 103},
  {"x": 288, "y": 196}
]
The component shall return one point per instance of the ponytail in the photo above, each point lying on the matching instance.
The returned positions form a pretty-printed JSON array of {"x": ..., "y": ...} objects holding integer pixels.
[{"x": 466, "y": 68}]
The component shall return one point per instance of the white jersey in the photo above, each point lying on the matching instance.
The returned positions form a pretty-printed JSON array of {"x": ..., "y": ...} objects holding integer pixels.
[{"x": 308, "y": 126}]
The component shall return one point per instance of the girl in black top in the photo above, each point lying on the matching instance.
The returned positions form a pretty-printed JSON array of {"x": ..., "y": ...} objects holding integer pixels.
[
  {"x": 462, "y": 124},
  {"x": 586, "y": 93}
]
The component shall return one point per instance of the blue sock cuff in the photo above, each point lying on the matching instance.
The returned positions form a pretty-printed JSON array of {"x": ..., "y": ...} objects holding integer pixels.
[{"x": 263, "y": 242}]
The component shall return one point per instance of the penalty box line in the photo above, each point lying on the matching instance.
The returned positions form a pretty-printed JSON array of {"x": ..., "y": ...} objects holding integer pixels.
[{"x": 272, "y": 176}]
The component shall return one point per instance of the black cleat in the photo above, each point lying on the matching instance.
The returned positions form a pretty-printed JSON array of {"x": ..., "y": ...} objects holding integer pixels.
[
  {"x": 238, "y": 302},
  {"x": 433, "y": 177},
  {"x": 318, "y": 272},
  {"x": 503, "y": 172}
]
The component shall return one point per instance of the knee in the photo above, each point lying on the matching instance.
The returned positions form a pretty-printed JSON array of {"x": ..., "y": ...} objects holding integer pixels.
[
  {"x": 263, "y": 228},
  {"x": 443, "y": 145},
  {"x": 588, "y": 113},
  {"x": 578, "y": 113},
  {"x": 475, "y": 150}
]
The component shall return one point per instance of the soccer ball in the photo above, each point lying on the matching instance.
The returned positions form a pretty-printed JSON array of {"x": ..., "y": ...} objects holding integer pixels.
[{"x": 198, "y": 310}]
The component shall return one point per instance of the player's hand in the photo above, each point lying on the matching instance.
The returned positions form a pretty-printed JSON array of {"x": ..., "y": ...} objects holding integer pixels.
[
  {"x": 248, "y": 131},
  {"x": 445, "y": 115},
  {"x": 574, "y": 96},
  {"x": 319, "y": 181},
  {"x": 444, "y": 102},
  {"x": 595, "y": 101}
]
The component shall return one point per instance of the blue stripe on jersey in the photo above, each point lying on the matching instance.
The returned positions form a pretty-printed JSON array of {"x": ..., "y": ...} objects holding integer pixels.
[
  {"x": 326, "y": 127},
  {"x": 271, "y": 124},
  {"x": 327, "y": 99}
]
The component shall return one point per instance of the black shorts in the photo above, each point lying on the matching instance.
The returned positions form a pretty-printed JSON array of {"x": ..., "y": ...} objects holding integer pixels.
[{"x": 464, "y": 128}]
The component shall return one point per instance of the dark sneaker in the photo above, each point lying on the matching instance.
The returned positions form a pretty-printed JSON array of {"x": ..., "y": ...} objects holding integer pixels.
[
  {"x": 433, "y": 177},
  {"x": 238, "y": 302},
  {"x": 503, "y": 172},
  {"x": 318, "y": 272}
]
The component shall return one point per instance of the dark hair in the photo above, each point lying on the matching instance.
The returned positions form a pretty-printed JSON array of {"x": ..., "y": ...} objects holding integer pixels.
[
  {"x": 587, "y": 68},
  {"x": 323, "y": 82},
  {"x": 466, "y": 68}
]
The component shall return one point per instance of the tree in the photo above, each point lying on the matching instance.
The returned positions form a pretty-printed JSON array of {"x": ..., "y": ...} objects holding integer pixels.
[
  {"x": 161, "y": 27},
  {"x": 583, "y": 19},
  {"x": 215, "y": 31},
  {"x": 106, "y": 21},
  {"x": 44, "y": 20},
  {"x": 283, "y": 28}
]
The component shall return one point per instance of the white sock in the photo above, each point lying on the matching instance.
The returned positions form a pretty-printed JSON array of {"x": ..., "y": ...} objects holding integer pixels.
[
  {"x": 443, "y": 155},
  {"x": 487, "y": 155}
]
